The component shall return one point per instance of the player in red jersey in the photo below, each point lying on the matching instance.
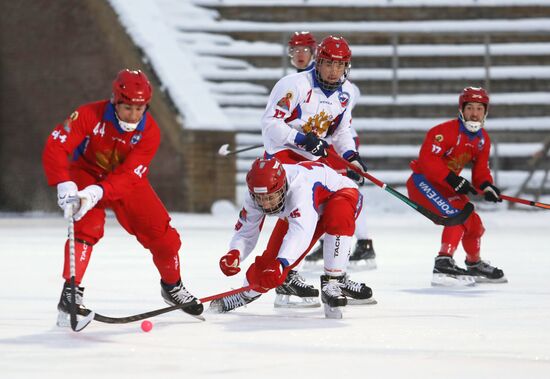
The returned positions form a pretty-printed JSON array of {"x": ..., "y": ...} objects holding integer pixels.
[
  {"x": 437, "y": 185},
  {"x": 99, "y": 158}
]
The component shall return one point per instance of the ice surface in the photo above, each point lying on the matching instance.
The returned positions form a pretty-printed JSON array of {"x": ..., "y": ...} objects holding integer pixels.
[{"x": 415, "y": 331}]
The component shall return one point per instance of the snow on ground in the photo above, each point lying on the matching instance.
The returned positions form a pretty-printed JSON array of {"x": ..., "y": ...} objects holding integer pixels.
[{"x": 414, "y": 331}]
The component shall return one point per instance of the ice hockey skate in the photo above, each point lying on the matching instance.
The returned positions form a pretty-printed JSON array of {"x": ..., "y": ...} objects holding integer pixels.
[
  {"x": 295, "y": 287},
  {"x": 315, "y": 258},
  {"x": 178, "y": 295},
  {"x": 363, "y": 255},
  {"x": 332, "y": 297},
  {"x": 64, "y": 308},
  {"x": 483, "y": 272},
  {"x": 447, "y": 274},
  {"x": 228, "y": 303},
  {"x": 356, "y": 293}
]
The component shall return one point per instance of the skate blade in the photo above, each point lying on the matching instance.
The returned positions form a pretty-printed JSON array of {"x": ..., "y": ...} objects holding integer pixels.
[
  {"x": 64, "y": 320},
  {"x": 369, "y": 301},
  {"x": 443, "y": 280},
  {"x": 363, "y": 264},
  {"x": 214, "y": 309},
  {"x": 285, "y": 301},
  {"x": 198, "y": 317},
  {"x": 482, "y": 279},
  {"x": 332, "y": 312}
]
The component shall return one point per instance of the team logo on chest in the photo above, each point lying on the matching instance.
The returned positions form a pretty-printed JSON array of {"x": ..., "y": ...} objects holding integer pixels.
[
  {"x": 318, "y": 123},
  {"x": 343, "y": 97},
  {"x": 135, "y": 138},
  {"x": 481, "y": 143}
]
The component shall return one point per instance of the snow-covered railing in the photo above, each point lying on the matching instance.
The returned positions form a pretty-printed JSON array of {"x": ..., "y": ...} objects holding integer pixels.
[
  {"x": 460, "y": 27},
  {"x": 486, "y": 28},
  {"x": 371, "y": 3}
]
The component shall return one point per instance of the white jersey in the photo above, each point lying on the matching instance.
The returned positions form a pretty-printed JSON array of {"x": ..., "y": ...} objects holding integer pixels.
[
  {"x": 298, "y": 104},
  {"x": 309, "y": 186},
  {"x": 354, "y": 98}
]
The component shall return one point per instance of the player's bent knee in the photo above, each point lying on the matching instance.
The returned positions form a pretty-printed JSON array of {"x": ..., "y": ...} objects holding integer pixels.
[{"x": 167, "y": 244}]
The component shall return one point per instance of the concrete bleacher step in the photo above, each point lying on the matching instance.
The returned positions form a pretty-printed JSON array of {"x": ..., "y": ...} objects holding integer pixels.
[
  {"x": 427, "y": 86},
  {"x": 427, "y": 55},
  {"x": 421, "y": 73},
  {"x": 430, "y": 99},
  {"x": 530, "y": 29},
  {"x": 271, "y": 11},
  {"x": 428, "y": 105}
]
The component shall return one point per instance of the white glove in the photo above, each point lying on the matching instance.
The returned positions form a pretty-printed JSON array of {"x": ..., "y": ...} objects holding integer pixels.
[
  {"x": 89, "y": 197},
  {"x": 67, "y": 197}
]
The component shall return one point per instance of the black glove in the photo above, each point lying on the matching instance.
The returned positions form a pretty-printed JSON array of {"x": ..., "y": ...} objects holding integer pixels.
[
  {"x": 490, "y": 192},
  {"x": 460, "y": 184},
  {"x": 358, "y": 179},
  {"x": 315, "y": 145},
  {"x": 356, "y": 160}
]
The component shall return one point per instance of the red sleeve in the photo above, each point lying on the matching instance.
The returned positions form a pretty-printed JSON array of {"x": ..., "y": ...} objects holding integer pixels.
[
  {"x": 481, "y": 172},
  {"x": 431, "y": 158},
  {"x": 62, "y": 142},
  {"x": 135, "y": 167}
]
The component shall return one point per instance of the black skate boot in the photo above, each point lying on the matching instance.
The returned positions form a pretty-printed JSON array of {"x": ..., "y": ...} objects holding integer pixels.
[
  {"x": 356, "y": 293},
  {"x": 295, "y": 285},
  {"x": 64, "y": 308},
  {"x": 446, "y": 273},
  {"x": 483, "y": 272},
  {"x": 228, "y": 303},
  {"x": 178, "y": 295},
  {"x": 364, "y": 255},
  {"x": 316, "y": 256},
  {"x": 332, "y": 297}
]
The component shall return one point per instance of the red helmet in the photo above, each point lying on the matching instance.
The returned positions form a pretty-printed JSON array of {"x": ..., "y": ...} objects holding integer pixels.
[
  {"x": 132, "y": 87},
  {"x": 266, "y": 182},
  {"x": 334, "y": 49},
  {"x": 302, "y": 39},
  {"x": 473, "y": 95}
]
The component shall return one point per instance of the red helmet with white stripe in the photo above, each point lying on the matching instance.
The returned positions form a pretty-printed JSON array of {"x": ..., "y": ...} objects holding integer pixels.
[
  {"x": 302, "y": 39},
  {"x": 333, "y": 49},
  {"x": 132, "y": 87},
  {"x": 266, "y": 181},
  {"x": 473, "y": 95}
]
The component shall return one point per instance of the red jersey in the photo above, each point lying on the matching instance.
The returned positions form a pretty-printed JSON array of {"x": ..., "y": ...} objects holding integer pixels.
[
  {"x": 449, "y": 146},
  {"x": 92, "y": 140}
]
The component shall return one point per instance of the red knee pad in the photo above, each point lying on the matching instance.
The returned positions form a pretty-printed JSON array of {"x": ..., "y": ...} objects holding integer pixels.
[
  {"x": 167, "y": 245},
  {"x": 340, "y": 212},
  {"x": 473, "y": 226}
]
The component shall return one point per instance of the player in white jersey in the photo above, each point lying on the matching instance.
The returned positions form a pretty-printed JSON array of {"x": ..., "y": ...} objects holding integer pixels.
[
  {"x": 310, "y": 199},
  {"x": 305, "y": 107},
  {"x": 301, "y": 50}
]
